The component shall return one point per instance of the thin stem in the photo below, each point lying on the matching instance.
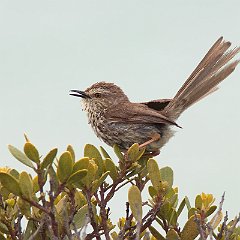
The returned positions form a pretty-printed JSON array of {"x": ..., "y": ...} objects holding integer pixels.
[
  {"x": 223, "y": 226},
  {"x": 127, "y": 224},
  {"x": 18, "y": 225},
  {"x": 234, "y": 224},
  {"x": 123, "y": 184},
  {"x": 66, "y": 224},
  {"x": 91, "y": 215},
  {"x": 150, "y": 216},
  {"x": 72, "y": 205},
  {"x": 52, "y": 212},
  {"x": 216, "y": 216},
  {"x": 103, "y": 214},
  {"x": 41, "y": 184},
  {"x": 37, "y": 205},
  {"x": 34, "y": 235},
  {"x": 200, "y": 227}
]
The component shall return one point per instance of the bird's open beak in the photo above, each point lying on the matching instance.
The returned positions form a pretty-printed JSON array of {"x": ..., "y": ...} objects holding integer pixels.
[{"x": 78, "y": 93}]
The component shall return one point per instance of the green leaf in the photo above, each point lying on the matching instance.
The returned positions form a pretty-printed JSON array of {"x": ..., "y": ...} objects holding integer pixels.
[
  {"x": 187, "y": 203},
  {"x": 10, "y": 183},
  {"x": 97, "y": 183},
  {"x": 190, "y": 230},
  {"x": 81, "y": 218},
  {"x": 61, "y": 205},
  {"x": 170, "y": 191},
  {"x": 156, "y": 233},
  {"x": 3, "y": 228},
  {"x": 215, "y": 221},
  {"x": 14, "y": 173},
  {"x": 65, "y": 166},
  {"x": 4, "y": 192},
  {"x": 118, "y": 152},
  {"x": 104, "y": 152},
  {"x": 91, "y": 175},
  {"x": 173, "y": 218},
  {"x": 164, "y": 211},
  {"x": 167, "y": 175},
  {"x": 53, "y": 178},
  {"x": 79, "y": 199},
  {"x": 143, "y": 169},
  {"x": 92, "y": 152},
  {"x": 26, "y": 137},
  {"x": 172, "y": 235},
  {"x": 181, "y": 206},
  {"x": 211, "y": 210},
  {"x": 20, "y": 156},
  {"x": 26, "y": 185},
  {"x": 31, "y": 152},
  {"x": 134, "y": 153},
  {"x": 81, "y": 164},
  {"x": 174, "y": 200},
  {"x": 24, "y": 207},
  {"x": 152, "y": 191},
  {"x": 76, "y": 177},
  {"x": 2, "y": 237},
  {"x": 140, "y": 153},
  {"x": 198, "y": 202},
  {"x": 154, "y": 174},
  {"x": 110, "y": 166},
  {"x": 48, "y": 160},
  {"x": 192, "y": 211},
  {"x": 30, "y": 229},
  {"x": 135, "y": 202},
  {"x": 70, "y": 149},
  {"x": 35, "y": 184},
  {"x": 114, "y": 235}
]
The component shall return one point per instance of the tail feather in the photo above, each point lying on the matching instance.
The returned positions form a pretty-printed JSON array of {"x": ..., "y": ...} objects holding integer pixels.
[
  {"x": 213, "y": 69},
  {"x": 205, "y": 87},
  {"x": 200, "y": 66}
]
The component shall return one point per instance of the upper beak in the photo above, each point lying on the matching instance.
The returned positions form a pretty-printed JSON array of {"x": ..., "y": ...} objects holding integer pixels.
[{"x": 78, "y": 93}]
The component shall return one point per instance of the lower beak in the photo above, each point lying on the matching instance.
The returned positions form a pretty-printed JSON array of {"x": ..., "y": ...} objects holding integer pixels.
[{"x": 78, "y": 93}]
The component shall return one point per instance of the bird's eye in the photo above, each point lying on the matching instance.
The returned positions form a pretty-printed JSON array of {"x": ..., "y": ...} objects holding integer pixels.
[{"x": 97, "y": 95}]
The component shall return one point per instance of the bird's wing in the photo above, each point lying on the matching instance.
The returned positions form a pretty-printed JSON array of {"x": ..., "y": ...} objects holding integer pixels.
[
  {"x": 136, "y": 113},
  {"x": 158, "y": 104}
]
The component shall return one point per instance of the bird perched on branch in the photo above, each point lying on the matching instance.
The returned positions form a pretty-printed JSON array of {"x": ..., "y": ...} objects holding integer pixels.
[{"x": 116, "y": 120}]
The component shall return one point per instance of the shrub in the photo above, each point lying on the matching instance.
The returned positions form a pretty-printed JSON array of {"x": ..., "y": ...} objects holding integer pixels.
[{"x": 65, "y": 195}]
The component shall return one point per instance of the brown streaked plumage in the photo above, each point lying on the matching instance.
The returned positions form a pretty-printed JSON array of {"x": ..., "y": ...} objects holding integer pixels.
[{"x": 116, "y": 120}]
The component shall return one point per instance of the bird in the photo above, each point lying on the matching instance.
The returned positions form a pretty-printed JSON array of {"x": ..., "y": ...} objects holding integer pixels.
[{"x": 117, "y": 120}]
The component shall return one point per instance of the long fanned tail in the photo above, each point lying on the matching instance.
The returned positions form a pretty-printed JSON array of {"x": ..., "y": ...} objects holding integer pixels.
[{"x": 213, "y": 69}]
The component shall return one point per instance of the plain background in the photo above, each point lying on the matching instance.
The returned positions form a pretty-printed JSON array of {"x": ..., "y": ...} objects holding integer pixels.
[{"x": 148, "y": 48}]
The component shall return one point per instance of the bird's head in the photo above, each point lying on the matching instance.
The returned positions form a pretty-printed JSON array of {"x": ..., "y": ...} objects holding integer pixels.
[{"x": 100, "y": 96}]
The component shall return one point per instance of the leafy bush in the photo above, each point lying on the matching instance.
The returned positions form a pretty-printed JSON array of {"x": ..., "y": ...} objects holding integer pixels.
[{"x": 65, "y": 195}]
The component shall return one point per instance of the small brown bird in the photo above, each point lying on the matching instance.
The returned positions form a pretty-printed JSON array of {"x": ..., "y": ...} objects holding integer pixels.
[{"x": 116, "y": 120}]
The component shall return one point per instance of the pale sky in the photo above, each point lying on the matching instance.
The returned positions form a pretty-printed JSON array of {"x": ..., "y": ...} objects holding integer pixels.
[{"x": 148, "y": 48}]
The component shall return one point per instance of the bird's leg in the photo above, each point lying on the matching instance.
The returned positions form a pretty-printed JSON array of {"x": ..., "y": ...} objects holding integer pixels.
[{"x": 155, "y": 137}]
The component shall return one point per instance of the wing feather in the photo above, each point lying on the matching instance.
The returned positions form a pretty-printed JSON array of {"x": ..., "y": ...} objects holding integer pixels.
[{"x": 136, "y": 113}]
